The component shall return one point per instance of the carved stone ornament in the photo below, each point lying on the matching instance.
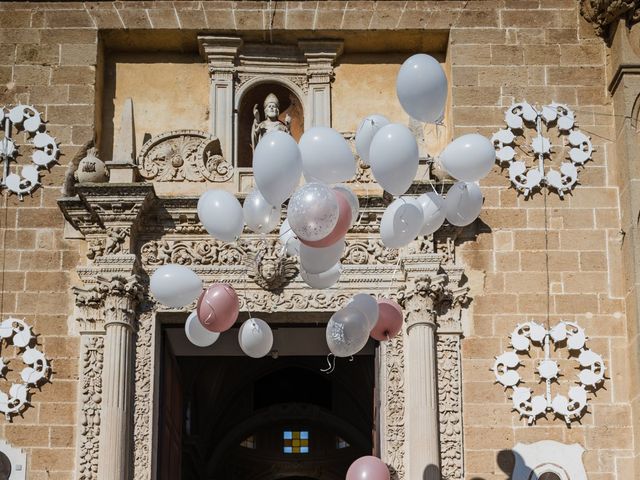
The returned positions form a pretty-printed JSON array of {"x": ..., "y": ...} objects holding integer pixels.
[
  {"x": 36, "y": 371},
  {"x": 606, "y": 13},
  {"x": 91, "y": 393},
  {"x": 538, "y": 147},
  {"x": 590, "y": 365},
  {"x": 180, "y": 155},
  {"x": 91, "y": 168},
  {"x": 270, "y": 268},
  {"x": 45, "y": 148}
]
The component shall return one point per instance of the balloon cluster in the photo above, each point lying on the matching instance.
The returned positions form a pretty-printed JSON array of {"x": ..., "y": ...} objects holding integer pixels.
[
  {"x": 350, "y": 327},
  {"x": 216, "y": 311},
  {"x": 321, "y": 211}
]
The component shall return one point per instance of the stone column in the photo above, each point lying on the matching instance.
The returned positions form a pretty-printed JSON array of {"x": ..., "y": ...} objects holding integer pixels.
[
  {"x": 423, "y": 445},
  {"x": 320, "y": 56},
  {"x": 220, "y": 53},
  {"x": 121, "y": 297}
]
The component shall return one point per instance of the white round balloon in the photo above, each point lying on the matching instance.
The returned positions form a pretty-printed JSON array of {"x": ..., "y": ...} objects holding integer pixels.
[
  {"x": 326, "y": 156},
  {"x": 288, "y": 238},
  {"x": 469, "y": 157},
  {"x": 255, "y": 338},
  {"x": 259, "y": 215},
  {"x": 365, "y": 133},
  {"x": 401, "y": 222},
  {"x": 347, "y": 332},
  {"x": 422, "y": 88},
  {"x": 277, "y": 166},
  {"x": 463, "y": 203},
  {"x": 175, "y": 285},
  {"x": 368, "y": 305},
  {"x": 433, "y": 212},
  {"x": 318, "y": 260},
  {"x": 313, "y": 211},
  {"x": 197, "y": 334},
  {"x": 221, "y": 214},
  {"x": 394, "y": 158},
  {"x": 352, "y": 198},
  {"x": 322, "y": 280}
]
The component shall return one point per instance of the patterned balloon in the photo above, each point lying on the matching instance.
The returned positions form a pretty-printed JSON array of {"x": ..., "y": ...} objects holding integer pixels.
[{"x": 313, "y": 211}]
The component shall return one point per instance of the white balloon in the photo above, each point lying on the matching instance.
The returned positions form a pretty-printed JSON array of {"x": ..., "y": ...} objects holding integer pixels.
[
  {"x": 469, "y": 157},
  {"x": 401, "y": 222},
  {"x": 368, "y": 305},
  {"x": 463, "y": 203},
  {"x": 318, "y": 260},
  {"x": 277, "y": 166},
  {"x": 322, "y": 280},
  {"x": 433, "y": 212},
  {"x": 255, "y": 338},
  {"x": 422, "y": 88},
  {"x": 197, "y": 334},
  {"x": 289, "y": 240},
  {"x": 175, "y": 285},
  {"x": 313, "y": 211},
  {"x": 394, "y": 158},
  {"x": 352, "y": 198},
  {"x": 347, "y": 332},
  {"x": 365, "y": 133},
  {"x": 221, "y": 214},
  {"x": 326, "y": 156},
  {"x": 259, "y": 215}
]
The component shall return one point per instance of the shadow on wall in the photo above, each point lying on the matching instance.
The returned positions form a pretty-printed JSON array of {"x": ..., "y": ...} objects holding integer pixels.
[{"x": 506, "y": 460}]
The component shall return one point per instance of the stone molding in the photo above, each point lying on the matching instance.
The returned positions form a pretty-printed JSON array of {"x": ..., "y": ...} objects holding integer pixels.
[
  {"x": 424, "y": 277},
  {"x": 605, "y": 14}
]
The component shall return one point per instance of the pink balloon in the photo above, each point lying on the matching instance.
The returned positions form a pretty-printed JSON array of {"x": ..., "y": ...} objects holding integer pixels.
[
  {"x": 342, "y": 226},
  {"x": 218, "y": 307},
  {"x": 389, "y": 320},
  {"x": 368, "y": 468}
]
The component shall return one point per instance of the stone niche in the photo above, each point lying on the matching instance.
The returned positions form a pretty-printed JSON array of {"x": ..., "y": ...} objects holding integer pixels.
[{"x": 291, "y": 113}]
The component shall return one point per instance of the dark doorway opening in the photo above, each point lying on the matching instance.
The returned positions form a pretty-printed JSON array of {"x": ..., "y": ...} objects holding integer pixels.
[{"x": 277, "y": 417}]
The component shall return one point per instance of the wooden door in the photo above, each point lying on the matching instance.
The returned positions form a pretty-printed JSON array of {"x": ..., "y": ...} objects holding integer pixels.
[{"x": 171, "y": 417}]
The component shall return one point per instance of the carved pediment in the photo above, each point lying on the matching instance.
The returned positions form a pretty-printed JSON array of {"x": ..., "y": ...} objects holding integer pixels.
[{"x": 180, "y": 155}]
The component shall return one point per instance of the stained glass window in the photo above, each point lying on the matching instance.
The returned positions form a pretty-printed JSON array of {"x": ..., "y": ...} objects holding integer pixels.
[{"x": 295, "y": 441}]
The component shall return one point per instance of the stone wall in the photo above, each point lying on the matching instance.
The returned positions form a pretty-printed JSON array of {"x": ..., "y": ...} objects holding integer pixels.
[{"x": 499, "y": 51}]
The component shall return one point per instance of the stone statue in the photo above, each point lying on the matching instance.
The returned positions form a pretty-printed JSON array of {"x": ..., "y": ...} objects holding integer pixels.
[{"x": 270, "y": 123}]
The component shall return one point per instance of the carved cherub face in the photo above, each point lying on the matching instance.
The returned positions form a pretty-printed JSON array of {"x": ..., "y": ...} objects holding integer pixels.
[
  {"x": 268, "y": 270},
  {"x": 271, "y": 111}
]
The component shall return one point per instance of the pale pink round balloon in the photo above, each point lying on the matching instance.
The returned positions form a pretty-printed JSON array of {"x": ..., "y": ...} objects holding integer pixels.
[
  {"x": 218, "y": 307},
  {"x": 342, "y": 225},
  {"x": 389, "y": 320},
  {"x": 368, "y": 468}
]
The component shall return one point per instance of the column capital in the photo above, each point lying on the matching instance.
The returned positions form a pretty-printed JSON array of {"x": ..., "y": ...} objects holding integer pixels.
[
  {"x": 604, "y": 15},
  {"x": 432, "y": 300}
]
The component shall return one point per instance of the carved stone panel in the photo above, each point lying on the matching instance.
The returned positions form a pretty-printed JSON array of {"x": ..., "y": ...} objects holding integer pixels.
[{"x": 181, "y": 155}]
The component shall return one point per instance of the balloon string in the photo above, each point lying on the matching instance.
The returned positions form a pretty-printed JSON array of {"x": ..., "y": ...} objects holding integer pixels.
[
  {"x": 246, "y": 290},
  {"x": 366, "y": 201},
  {"x": 331, "y": 362}
]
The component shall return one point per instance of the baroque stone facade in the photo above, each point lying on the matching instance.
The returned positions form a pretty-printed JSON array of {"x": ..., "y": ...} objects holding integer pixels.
[{"x": 111, "y": 236}]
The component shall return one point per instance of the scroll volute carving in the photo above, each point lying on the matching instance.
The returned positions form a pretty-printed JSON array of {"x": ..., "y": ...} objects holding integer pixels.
[{"x": 252, "y": 110}]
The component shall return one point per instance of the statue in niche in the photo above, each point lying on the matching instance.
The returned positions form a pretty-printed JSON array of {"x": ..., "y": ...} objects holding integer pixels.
[{"x": 271, "y": 123}]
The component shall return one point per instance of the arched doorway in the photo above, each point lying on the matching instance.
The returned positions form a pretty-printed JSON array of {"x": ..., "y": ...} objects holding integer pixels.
[{"x": 275, "y": 418}]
